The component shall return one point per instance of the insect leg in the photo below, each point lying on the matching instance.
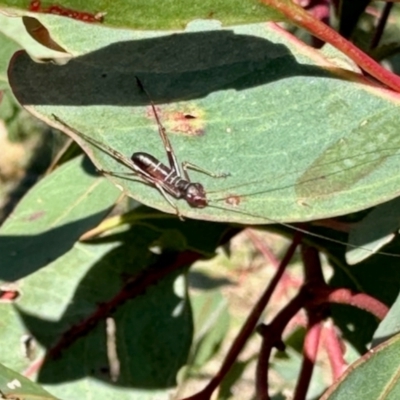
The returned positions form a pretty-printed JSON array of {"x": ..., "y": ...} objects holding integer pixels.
[
  {"x": 137, "y": 172},
  {"x": 111, "y": 152},
  {"x": 173, "y": 162},
  {"x": 149, "y": 181},
  {"x": 134, "y": 176},
  {"x": 187, "y": 165},
  {"x": 173, "y": 205}
]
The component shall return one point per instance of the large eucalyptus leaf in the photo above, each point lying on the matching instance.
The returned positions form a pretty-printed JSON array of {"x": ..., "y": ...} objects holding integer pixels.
[
  {"x": 301, "y": 137},
  {"x": 152, "y": 333},
  {"x": 375, "y": 375},
  {"x": 16, "y": 386},
  {"x": 150, "y": 14},
  {"x": 52, "y": 216}
]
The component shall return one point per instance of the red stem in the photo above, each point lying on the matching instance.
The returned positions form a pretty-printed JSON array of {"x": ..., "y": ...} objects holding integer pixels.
[
  {"x": 320, "y": 9},
  {"x": 272, "y": 334},
  {"x": 303, "y": 19},
  {"x": 316, "y": 313},
  {"x": 310, "y": 351},
  {"x": 346, "y": 296},
  {"x": 248, "y": 327},
  {"x": 381, "y": 25},
  {"x": 334, "y": 349}
]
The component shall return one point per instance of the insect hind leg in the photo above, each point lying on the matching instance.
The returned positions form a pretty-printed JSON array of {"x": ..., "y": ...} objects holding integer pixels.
[
  {"x": 133, "y": 176},
  {"x": 187, "y": 165},
  {"x": 149, "y": 181},
  {"x": 173, "y": 162}
]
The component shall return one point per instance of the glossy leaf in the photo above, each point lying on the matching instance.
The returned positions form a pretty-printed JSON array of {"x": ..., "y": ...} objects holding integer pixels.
[
  {"x": 152, "y": 342},
  {"x": 301, "y": 140},
  {"x": 16, "y": 386},
  {"x": 375, "y": 375},
  {"x": 15, "y": 31},
  {"x": 51, "y": 218},
  {"x": 389, "y": 326},
  {"x": 211, "y": 321},
  {"x": 373, "y": 232},
  {"x": 152, "y": 14}
]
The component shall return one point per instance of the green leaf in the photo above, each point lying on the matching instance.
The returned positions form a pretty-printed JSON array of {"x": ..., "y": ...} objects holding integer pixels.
[
  {"x": 301, "y": 140},
  {"x": 373, "y": 232},
  {"x": 16, "y": 386},
  {"x": 8, "y": 48},
  {"x": 378, "y": 276},
  {"x": 51, "y": 218},
  {"x": 153, "y": 330},
  {"x": 153, "y": 14},
  {"x": 389, "y": 326},
  {"x": 211, "y": 320},
  {"x": 8, "y": 104},
  {"x": 17, "y": 36},
  {"x": 288, "y": 368},
  {"x": 375, "y": 374},
  {"x": 200, "y": 236}
]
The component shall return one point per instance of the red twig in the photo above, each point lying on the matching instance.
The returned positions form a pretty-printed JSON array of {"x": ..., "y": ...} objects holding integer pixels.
[
  {"x": 334, "y": 349},
  {"x": 321, "y": 293},
  {"x": 320, "y": 9},
  {"x": 248, "y": 327},
  {"x": 346, "y": 296},
  {"x": 381, "y": 25},
  {"x": 272, "y": 334},
  {"x": 303, "y": 19},
  {"x": 315, "y": 297},
  {"x": 310, "y": 351},
  {"x": 316, "y": 314}
]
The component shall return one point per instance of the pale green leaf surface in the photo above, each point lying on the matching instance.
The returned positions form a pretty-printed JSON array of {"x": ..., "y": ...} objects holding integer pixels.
[
  {"x": 300, "y": 142},
  {"x": 373, "y": 232},
  {"x": 389, "y": 326},
  {"x": 7, "y": 48},
  {"x": 17, "y": 36},
  {"x": 52, "y": 216},
  {"x": 211, "y": 322},
  {"x": 288, "y": 366},
  {"x": 16, "y": 386},
  {"x": 363, "y": 250},
  {"x": 47, "y": 294},
  {"x": 376, "y": 376}
]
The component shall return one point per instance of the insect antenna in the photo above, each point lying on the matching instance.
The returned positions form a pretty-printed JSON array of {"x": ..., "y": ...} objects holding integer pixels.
[{"x": 304, "y": 231}]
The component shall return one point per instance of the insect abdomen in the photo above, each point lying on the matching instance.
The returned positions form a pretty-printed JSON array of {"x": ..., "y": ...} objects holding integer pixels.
[{"x": 165, "y": 176}]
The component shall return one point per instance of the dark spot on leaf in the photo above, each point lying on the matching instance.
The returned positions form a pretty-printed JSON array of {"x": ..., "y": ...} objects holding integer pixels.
[
  {"x": 180, "y": 119},
  {"x": 36, "y": 215}
]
